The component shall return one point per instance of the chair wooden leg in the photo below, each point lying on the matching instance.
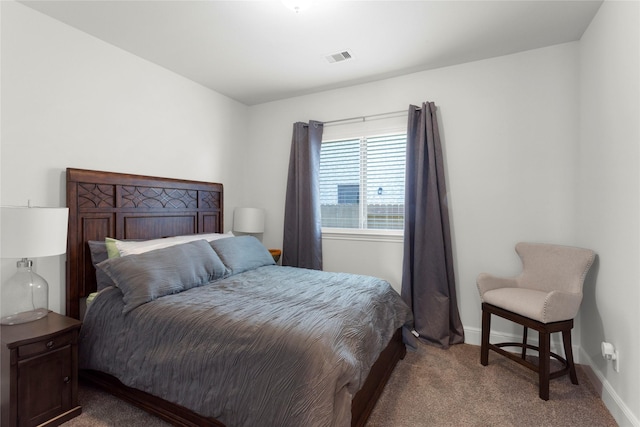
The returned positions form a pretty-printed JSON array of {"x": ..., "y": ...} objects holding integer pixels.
[
  {"x": 484, "y": 344},
  {"x": 568, "y": 353},
  {"x": 545, "y": 330},
  {"x": 524, "y": 343},
  {"x": 544, "y": 363}
]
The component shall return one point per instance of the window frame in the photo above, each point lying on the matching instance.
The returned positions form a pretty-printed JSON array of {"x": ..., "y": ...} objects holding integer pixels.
[{"x": 361, "y": 233}]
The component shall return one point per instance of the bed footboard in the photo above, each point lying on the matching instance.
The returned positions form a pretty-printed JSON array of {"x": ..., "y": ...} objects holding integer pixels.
[
  {"x": 365, "y": 400},
  {"x": 361, "y": 406}
]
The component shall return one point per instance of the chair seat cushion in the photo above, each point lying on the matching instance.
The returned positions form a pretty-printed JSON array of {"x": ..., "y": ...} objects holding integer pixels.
[{"x": 525, "y": 302}]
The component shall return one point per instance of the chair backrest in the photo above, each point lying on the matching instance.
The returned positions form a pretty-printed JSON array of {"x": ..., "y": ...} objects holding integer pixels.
[{"x": 549, "y": 267}]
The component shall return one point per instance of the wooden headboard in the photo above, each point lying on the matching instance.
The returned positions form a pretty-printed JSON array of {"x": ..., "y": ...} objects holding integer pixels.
[{"x": 124, "y": 206}]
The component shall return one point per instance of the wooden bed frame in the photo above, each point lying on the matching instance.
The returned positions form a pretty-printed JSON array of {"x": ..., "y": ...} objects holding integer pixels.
[{"x": 125, "y": 206}]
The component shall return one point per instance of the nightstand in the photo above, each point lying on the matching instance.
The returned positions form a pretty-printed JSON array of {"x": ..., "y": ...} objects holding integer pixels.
[
  {"x": 39, "y": 362},
  {"x": 275, "y": 253}
]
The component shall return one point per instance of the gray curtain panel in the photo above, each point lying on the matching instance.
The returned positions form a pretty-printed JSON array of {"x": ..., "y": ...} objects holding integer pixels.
[
  {"x": 428, "y": 282},
  {"x": 302, "y": 244}
]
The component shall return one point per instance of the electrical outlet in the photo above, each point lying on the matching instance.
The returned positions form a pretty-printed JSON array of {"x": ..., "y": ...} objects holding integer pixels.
[{"x": 609, "y": 352}]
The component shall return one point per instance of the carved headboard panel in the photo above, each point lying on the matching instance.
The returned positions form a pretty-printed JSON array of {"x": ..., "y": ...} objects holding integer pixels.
[{"x": 123, "y": 206}]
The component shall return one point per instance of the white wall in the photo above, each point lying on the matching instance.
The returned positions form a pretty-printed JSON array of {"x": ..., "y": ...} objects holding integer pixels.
[
  {"x": 608, "y": 212},
  {"x": 509, "y": 127},
  {"x": 70, "y": 100}
]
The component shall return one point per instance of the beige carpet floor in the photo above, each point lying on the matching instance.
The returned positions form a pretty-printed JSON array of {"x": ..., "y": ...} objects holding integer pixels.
[{"x": 430, "y": 387}]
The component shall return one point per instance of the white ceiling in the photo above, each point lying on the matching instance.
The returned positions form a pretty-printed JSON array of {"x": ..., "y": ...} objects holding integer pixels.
[{"x": 259, "y": 51}]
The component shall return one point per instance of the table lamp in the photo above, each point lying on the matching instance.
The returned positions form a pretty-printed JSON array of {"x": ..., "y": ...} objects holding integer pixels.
[
  {"x": 248, "y": 220},
  {"x": 29, "y": 232}
]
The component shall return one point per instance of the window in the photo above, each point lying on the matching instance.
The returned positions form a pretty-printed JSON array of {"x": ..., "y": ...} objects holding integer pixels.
[{"x": 362, "y": 182}]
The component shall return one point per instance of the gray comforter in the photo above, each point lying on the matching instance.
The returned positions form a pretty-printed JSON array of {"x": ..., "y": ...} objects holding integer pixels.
[{"x": 273, "y": 346}]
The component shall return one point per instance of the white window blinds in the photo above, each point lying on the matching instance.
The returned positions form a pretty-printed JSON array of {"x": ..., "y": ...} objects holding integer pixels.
[{"x": 362, "y": 178}]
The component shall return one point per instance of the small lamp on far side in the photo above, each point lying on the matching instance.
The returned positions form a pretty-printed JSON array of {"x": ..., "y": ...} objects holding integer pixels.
[
  {"x": 248, "y": 220},
  {"x": 29, "y": 232}
]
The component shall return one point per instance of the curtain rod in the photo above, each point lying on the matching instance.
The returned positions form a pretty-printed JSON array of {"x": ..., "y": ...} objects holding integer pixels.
[{"x": 364, "y": 118}]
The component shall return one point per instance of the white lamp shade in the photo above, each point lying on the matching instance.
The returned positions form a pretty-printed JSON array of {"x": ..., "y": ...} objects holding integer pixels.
[
  {"x": 30, "y": 232},
  {"x": 248, "y": 220}
]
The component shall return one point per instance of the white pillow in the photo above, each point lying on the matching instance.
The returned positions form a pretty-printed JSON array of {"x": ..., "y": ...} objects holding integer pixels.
[{"x": 133, "y": 248}]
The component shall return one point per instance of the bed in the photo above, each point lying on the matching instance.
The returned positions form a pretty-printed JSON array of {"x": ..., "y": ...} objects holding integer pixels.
[{"x": 134, "y": 207}]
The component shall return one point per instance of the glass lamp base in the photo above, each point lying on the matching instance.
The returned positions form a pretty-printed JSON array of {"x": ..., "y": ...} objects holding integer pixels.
[
  {"x": 24, "y": 317},
  {"x": 24, "y": 297}
]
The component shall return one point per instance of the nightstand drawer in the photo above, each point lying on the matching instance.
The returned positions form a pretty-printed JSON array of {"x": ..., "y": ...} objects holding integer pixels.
[{"x": 45, "y": 345}]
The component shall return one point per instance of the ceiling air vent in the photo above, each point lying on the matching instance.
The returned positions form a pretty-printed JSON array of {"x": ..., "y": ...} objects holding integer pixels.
[{"x": 339, "y": 57}]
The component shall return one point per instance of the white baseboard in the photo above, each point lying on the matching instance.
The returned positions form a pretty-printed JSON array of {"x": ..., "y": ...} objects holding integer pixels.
[
  {"x": 616, "y": 406},
  {"x": 620, "y": 411}
]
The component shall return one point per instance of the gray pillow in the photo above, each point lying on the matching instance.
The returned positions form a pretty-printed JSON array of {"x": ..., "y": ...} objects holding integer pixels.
[
  {"x": 98, "y": 250},
  {"x": 151, "y": 275},
  {"x": 242, "y": 253}
]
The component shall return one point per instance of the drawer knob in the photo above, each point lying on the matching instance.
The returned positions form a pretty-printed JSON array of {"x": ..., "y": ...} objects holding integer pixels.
[
  {"x": 66, "y": 380},
  {"x": 50, "y": 344}
]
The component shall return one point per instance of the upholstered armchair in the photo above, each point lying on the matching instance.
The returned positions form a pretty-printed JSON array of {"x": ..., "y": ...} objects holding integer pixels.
[{"x": 545, "y": 297}]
